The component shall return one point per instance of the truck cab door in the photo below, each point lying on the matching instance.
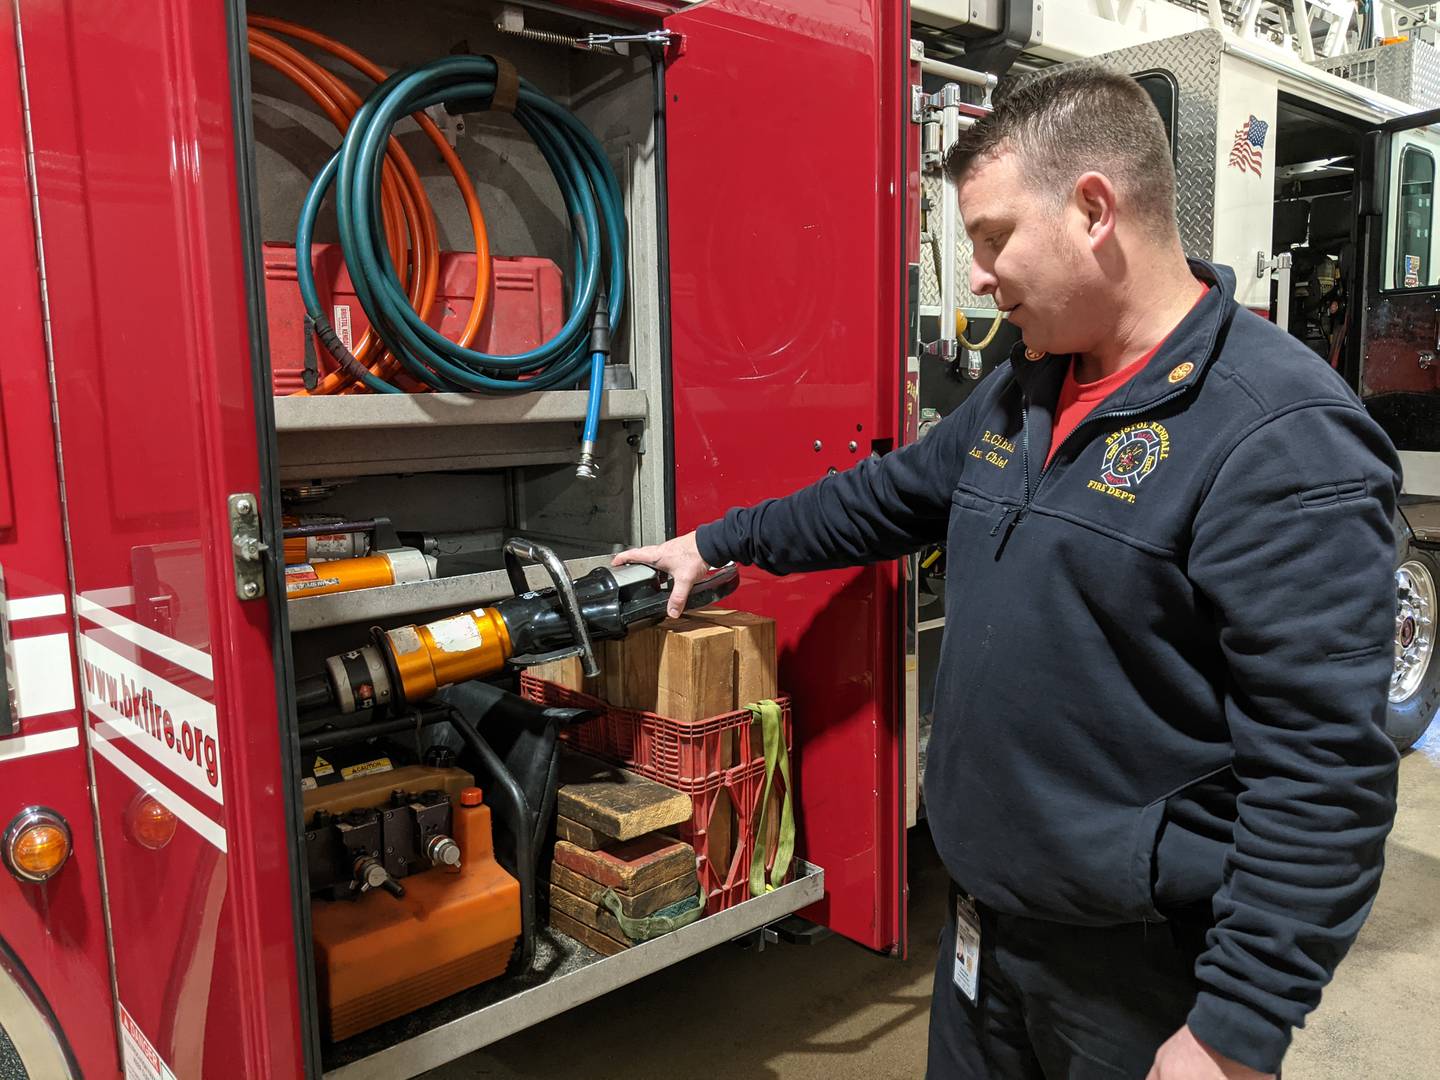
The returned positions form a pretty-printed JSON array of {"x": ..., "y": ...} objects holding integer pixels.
[
  {"x": 1398, "y": 371},
  {"x": 786, "y": 192}
]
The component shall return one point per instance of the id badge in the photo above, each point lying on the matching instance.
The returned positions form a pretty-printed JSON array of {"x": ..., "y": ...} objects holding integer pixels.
[{"x": 966, "y": 973}]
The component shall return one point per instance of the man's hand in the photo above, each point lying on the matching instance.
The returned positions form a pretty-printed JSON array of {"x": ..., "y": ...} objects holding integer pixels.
[
  {"x": 679, "y": 558},
  {"x": 1184, "y": 1057}
]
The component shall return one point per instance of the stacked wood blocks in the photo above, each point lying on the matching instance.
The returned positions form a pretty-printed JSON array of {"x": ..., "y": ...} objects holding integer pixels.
[
  {"x": 609, "y": 823},
  {"x": 703, "y": 664}
]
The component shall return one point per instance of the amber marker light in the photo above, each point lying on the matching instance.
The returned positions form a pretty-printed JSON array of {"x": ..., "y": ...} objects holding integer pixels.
[
  {"x": 36, "y": 844},
  {"x": 151, "y": 824}
]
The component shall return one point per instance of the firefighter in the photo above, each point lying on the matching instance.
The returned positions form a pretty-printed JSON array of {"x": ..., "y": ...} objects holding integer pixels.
[{"x": 1158, "y": 776}]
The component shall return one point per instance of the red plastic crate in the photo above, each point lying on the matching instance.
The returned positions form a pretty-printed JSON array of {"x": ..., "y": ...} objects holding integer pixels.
[
  {"x": 669, "y": 751},
  {"x": 740, "y": 789},
  {"x": 527, "y": 306}
]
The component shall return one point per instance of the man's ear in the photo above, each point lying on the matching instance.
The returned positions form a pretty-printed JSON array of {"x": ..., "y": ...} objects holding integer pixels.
[{"x": 1094, "y": 196}]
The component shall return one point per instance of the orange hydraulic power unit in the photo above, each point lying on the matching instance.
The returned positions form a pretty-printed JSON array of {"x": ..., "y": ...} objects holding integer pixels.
[{"x": 382, "y": 955}]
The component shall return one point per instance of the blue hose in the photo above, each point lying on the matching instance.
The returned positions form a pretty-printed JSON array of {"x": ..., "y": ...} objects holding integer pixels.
[{"x": 588, "y": 188}]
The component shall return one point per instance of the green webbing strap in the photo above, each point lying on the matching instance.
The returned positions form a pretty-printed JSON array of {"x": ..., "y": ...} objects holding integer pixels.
[
  {"x": 681, "y": 913},
  {"x": 776, "y": 754}
]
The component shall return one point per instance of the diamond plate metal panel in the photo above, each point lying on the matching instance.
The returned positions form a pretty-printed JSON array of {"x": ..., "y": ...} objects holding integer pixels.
[
  {"x": 1194, "y": 62},
  {"x": 932, "y": 187},
  {"x": 1408, "y": 71}
]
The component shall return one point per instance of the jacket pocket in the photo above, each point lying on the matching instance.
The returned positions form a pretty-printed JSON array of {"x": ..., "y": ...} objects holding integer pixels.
[{"x": 1145, "y": 842}]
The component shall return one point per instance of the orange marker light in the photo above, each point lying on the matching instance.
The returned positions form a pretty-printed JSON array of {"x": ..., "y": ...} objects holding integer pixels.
[
  {"x": 37, "y": 843},
  {"x": 151, "y": 824}
]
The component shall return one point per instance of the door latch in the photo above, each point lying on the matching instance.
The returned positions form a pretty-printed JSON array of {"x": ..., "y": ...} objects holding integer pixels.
[{"x": 247, "y": 547}]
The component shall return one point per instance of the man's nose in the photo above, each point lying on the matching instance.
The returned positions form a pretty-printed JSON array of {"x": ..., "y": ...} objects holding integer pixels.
[{"x": 982, "y": 281}]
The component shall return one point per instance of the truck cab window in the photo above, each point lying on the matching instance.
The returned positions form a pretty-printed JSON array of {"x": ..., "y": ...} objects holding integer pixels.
[{"x": 1414, "y": 213}]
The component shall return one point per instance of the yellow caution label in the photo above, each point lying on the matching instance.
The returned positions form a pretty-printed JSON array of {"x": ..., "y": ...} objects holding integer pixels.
[{"x": 379, "y": 765}]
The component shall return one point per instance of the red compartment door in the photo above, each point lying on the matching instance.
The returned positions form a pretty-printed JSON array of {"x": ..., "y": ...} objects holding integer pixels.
[{"x": 786, "y": 187}]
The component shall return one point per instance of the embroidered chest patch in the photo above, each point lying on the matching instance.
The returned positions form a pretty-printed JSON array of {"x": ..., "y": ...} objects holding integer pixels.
[{"x": 1131, "y": 454}]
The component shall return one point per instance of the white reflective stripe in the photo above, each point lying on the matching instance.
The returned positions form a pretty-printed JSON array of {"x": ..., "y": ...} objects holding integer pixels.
[
  {"x": 35, "y": 607},
  {"x": 170, "y": 724},
  {"x": 121, "y": 596},
  {"x": 177, "y": 652},
  {"x": 46, "y": 742},
  {"x": 210, "y": 830},
  {"x": 44, "y": 679}
]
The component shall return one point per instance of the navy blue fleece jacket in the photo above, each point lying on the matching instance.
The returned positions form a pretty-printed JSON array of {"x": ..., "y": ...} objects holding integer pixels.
[{"x": 1163, "y": 678}]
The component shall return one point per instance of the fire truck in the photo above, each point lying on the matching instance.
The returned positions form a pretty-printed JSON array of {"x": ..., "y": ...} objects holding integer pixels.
[{"x": 735, "y": 205}]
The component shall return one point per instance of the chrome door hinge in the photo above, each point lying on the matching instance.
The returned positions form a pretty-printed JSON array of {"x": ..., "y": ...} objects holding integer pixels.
[
  {"x": 247, "y": 547},
  {"x": 9, "y": 699}
]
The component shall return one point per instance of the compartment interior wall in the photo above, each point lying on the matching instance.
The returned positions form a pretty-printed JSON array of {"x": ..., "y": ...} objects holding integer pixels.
[{"x": 614, "y": 96}]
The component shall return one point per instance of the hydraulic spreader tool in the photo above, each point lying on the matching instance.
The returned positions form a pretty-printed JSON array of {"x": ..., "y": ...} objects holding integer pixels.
[{"x": 410, "y": 663}]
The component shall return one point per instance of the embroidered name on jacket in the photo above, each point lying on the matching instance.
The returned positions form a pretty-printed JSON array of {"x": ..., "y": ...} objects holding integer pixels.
[
  {"x": 997, "y": 449},
  {"x": 1131, "y": 454}
]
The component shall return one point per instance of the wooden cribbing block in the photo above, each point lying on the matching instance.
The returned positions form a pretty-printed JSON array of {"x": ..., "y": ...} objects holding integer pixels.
[
  {"x": 637, "y": 906},
  {"x": 615, "y": 802},
  {"x": 754, "y": 656},
  {"x": 755, "y": 661},
  {"x": 631, "y": 868},
  {"x": 579, "y": 835},
  {"x": 587, "y": 912},
  {"x": 682, "y": 669},
  {"x": 586, "y": 935},
  {"x": 568, "y": 673}
]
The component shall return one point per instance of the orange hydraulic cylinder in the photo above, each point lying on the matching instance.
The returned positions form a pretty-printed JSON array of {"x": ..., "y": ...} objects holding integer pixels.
[
  {"x": 466, "y": 646},
  {"x": 345, "y": 575}
]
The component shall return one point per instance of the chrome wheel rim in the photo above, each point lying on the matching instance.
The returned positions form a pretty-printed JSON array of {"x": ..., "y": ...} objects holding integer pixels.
[{"x": 1414, "y": 629}]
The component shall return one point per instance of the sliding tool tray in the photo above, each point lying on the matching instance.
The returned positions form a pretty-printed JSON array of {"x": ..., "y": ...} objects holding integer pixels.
[{"x": 564, "y": 974}]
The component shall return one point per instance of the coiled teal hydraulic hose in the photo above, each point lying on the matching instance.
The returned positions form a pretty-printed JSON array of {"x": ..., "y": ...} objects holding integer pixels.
[{"x": 592, "y": 198}]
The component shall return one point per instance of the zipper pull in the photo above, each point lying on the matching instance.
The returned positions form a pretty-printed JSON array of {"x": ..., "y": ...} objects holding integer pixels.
[{"x": 1005, "y": 514}]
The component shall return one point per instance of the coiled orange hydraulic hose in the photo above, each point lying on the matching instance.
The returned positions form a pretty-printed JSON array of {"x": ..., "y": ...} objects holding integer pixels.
[{"x": 405, "y": 206}]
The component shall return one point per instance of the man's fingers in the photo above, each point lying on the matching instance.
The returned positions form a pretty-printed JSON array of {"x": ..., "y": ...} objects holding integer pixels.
[
  {"x": 645, "y": 556},
  {"x": 679, "y": 593}
]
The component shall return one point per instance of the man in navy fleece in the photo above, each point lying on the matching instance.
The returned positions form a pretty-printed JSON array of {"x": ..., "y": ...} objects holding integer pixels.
[{"x": 1158, "y": 775}]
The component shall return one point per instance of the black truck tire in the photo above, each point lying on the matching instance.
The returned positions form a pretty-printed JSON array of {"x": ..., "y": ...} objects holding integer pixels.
[{"x": 1415, "y": 684}]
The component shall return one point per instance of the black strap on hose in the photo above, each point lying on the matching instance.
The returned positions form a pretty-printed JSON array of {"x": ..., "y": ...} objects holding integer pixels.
[{"x": 311, "y": 375}]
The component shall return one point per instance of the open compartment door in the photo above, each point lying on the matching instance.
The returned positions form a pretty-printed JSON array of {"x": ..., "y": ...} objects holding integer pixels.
[{"x": 786, "y": 193}]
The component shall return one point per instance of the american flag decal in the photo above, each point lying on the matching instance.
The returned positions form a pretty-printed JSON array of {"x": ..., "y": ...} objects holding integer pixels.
[{"x": 1248, "y": 151}]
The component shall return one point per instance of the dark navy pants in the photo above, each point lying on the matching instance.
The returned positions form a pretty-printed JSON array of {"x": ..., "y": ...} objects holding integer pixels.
[{"x": 1061, "y": 1002}]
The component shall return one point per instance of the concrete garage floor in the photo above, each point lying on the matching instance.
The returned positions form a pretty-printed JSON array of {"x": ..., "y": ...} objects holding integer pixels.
[{"x": 834, "y": 1011}]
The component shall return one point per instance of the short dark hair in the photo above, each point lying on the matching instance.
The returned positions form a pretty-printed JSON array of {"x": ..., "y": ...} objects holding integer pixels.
[{"x": 1071, "y": 120}]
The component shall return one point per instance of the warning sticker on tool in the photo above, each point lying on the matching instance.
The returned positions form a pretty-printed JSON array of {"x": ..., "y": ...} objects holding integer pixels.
[
  {"x": 140, "y": 1059},
  {"x": 365, "y": 768},
  {"x": 302, "y": 577},
  {"x": 404, "y": 639},
  {"x": 459, "y": 634}
]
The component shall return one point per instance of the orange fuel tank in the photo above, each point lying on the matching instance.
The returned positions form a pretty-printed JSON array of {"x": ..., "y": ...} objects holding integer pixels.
[{"x": 379, "y": 957}]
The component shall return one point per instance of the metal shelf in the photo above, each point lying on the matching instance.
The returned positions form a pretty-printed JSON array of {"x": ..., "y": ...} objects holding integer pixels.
[
  {"x": 344, "y": 435},
  {"x": 589, "y": 976},
  {"x": 415, "y": 597}
]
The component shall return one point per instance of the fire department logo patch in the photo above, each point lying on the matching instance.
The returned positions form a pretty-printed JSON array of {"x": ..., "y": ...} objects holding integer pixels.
[
  {"x": 1132, "y": 453},
  {"x": 1180, "y": 371}
]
